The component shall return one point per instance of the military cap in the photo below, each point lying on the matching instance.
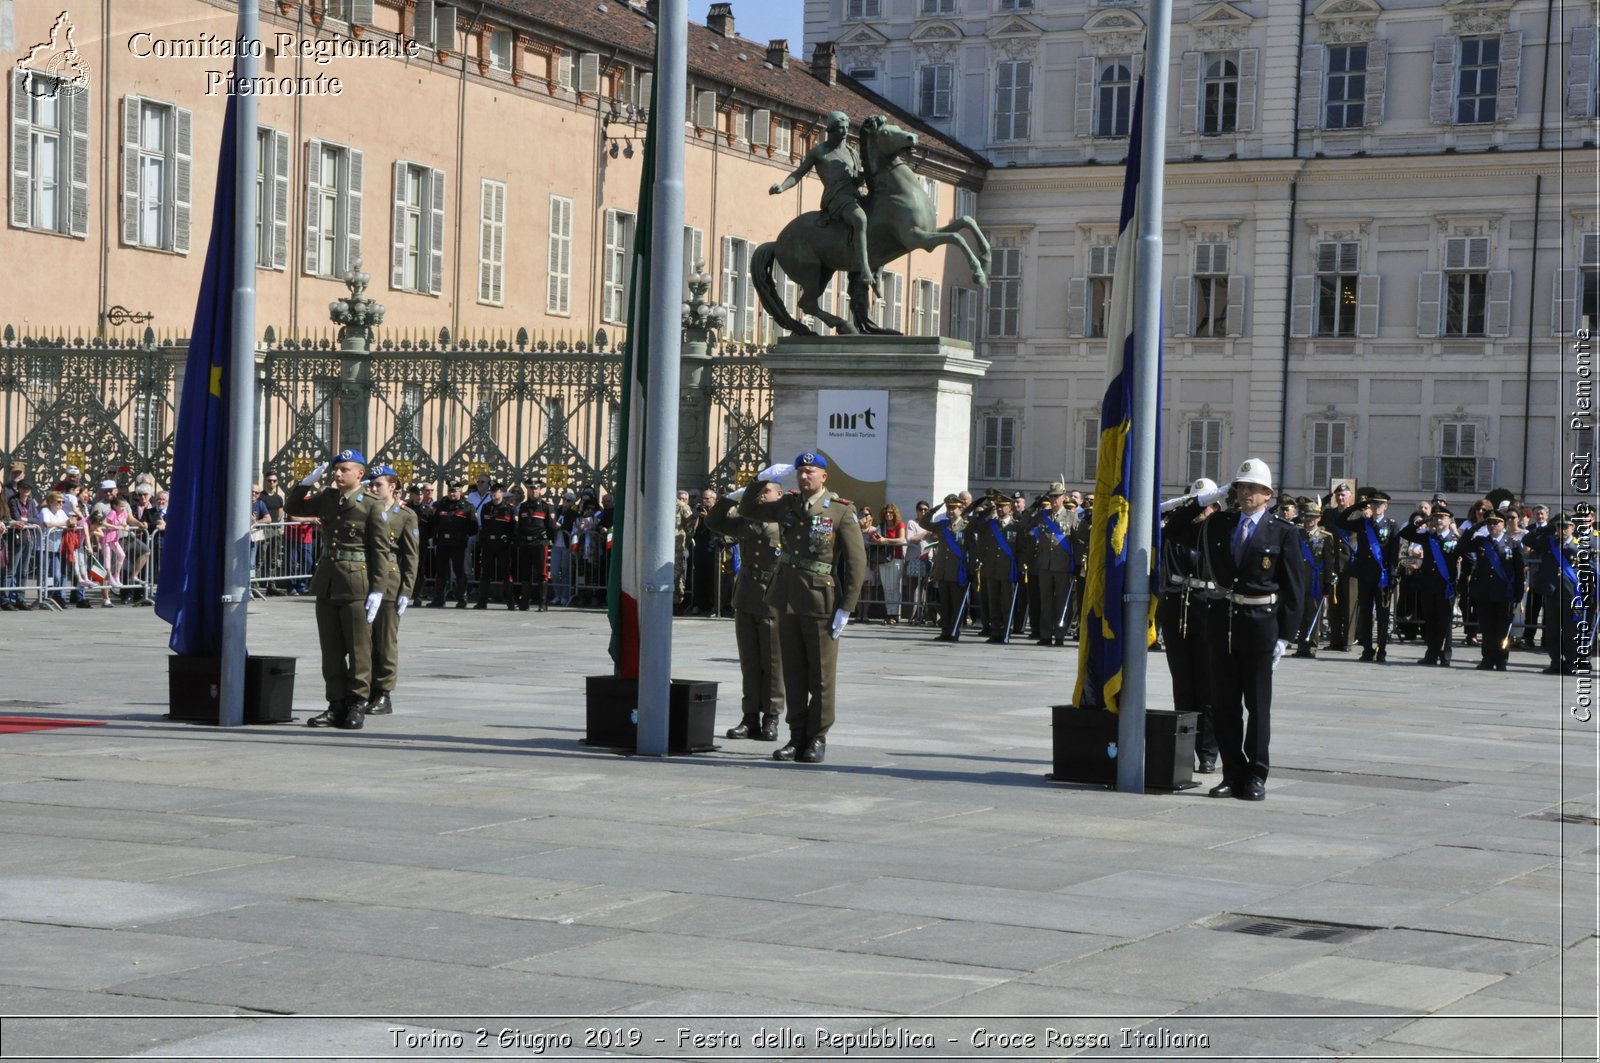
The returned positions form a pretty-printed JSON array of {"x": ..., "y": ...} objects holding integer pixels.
[
  {"x": 1056, "y": 488},
  {"x": 414, "y": 489},
  {"x": 497, "y": 486},
  {"x": 952, "y": 500},
  {"x": 1310, "y": 507},
  {"x": 350, "y": 455},
  {"x": 811, "y": 458},
  {"x": 1561, "y": 519},
  {"x": 1440, "y": 511},
  {"x": 1494, "y": 515}
]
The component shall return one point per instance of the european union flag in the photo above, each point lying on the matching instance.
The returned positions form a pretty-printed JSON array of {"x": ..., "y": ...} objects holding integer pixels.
[
  {"x": 1102, "y": 640},
  {"x": 194, "y": 548}
]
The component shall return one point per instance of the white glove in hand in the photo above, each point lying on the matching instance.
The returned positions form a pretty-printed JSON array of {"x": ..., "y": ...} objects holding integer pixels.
[
  {"x": 1277, "y": 652},
  {"x": 400, "y": 604},
  {"x": 840, "y": 619},
  {"x": 374, "y": 600},
  {"x": 1206, "y": 498},
  {"x": 775, "y": 473},
  {"x": 1483, "y": 529},
  {"x": 316, "y": 474},
  {"x": 734, "y": 496}
]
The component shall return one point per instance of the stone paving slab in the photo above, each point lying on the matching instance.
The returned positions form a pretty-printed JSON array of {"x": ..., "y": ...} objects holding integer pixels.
[
  {"x": 70, "y": 957},
  {"x": 69, "y": 901}
]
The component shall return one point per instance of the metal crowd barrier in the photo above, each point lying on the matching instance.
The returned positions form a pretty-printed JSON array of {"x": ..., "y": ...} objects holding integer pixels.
[
  {"x": 22, "y": 566},
  {"x": 283, "y": 555}
]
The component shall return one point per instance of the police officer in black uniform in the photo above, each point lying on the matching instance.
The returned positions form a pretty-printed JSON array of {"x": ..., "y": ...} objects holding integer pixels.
[
  {"x": 1435, "y": 580},
  {"x": 1336, "y": 560},
  {"x": 536, "y": 532},
  {"x": 497, "y": 547},
  {"x": 1373, "y": 563},
  {"x": 1183, "y": 613},
  {"x": 1254, "y": 560},
  {"x": 1495, "y": 560},
  {"x": 454, "y": 523}
]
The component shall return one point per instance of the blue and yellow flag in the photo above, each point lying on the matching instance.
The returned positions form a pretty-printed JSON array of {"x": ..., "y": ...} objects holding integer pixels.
[
  {"x": 1102, "y": 640},
  {"x": 194, "y": 548}
]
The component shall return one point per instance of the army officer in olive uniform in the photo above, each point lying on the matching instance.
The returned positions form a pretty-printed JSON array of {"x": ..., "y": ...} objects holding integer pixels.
[
  {"x": 403, "y": 541},
  {"x": 755, "y": 622},
  {"x": 348, "y": 583},
  {"x": 821, "y": 565}
]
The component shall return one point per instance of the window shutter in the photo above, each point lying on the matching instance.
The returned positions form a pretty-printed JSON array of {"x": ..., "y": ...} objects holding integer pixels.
[
  {"x": 1249, "y": 63},
  {"x": 21, "y": 152},
  {"x": 761, "y": 127},
  {"x": 313, "y": 204},
  {"x": 1430, "y": 303},
  {"x": 1302, "y": 304},
  {"x": 705, "y": 109},
  {"x": 1086, "y": 95},
  {"x": 1182, "y": 297},
  {"x": 1505, "y": 104},
  {"x": 644, "y": 98},
  {"x": 1428, "y": 474},
  {"x": 497, "y": 291},
  {"x": 589, "y": 73},
  {"x": 1568, "y": 290},
  {"x": 1234, "y": 322},
  {"x": 1103, "y": 260},
  {"x": 422, "y": 23},
  {"x": 436, "y": 233},
  {"x": 352, "y": 191},
  {"x": 1485, "y": 476},
  {"x": 1189, "y": 92},
  {"x": 78, "y": 206},
  {"x": 280, "y": 199},
  {"x": 397, "y": 230},
  {"x": 1311, "y": 75},
  {"x": 360, "y": 12},
  {"x": 130, "y": 170},
  {"x": 933, "y": 311},
  {"x": 444, "y": 24},
  {"x": 1441, "y": 100},
  {"x": 1499, "y": 317},
  {"x": 1077, "y": 306},
  {"x": 1377, "y": 79},
  {"x": 1367, "y": 291},
  {"x": 1580, "y": 73},
  {"x": 747, "y": 298},
  {"x": 183, "y": 181},
  {"x": 728, "y": 300}
]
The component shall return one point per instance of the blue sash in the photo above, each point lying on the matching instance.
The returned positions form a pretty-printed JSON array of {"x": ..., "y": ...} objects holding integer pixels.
[
  {"x": 735, "y": 559},
  {"x": 1496, "y": 562},
  {"x": 949, "y": 538},
  {"x": 1312, "y": 566},
  {"x": 1439, "y": 563},
  {"x": 1569, "y": 574},
  {"x": 1055, "y": 532},
  {"x": 1005, "y": 548},
  {"x": 1375, "y": 548}
]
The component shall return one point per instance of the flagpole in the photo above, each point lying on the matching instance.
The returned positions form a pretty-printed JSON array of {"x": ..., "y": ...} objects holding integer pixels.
[
  {"x": 660, "y": 450},
  {"x": 241, "y": 374},
  {"x": 1146, "y": 369}
]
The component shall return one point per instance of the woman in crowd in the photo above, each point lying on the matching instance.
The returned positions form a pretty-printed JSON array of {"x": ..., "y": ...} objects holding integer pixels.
[
  {"x": 890, "y": 537},
  {"x": 870, "y": 591},
  {"x": 53, "y": 517},
  {"x": 112, "y": 524}
]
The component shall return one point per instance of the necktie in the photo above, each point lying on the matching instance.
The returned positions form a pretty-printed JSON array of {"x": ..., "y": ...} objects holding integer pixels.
[{"x": 1241, "y": 537}]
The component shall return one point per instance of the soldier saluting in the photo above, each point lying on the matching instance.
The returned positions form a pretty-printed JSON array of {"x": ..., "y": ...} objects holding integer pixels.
[
  {"x": 822, "y": 563},
  {"x": 837, "y": 164},
  {"x": 755, "y": 621},
  {"x": 348, "y": 583}
]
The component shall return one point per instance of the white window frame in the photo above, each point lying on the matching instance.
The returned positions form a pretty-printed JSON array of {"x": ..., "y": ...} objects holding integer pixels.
[
  {"x": 617, "y": 283},
  {"x": 1483, "y": 104},
  {"x": 156, "y": 178},
  {"x": 417, "y": 229},
  {"x": 1113, "y": 99},
  {"x": 333, "y": 202},
  {"x": 1089, "y": 448},
  {"x": 935, "y": 90},
  {"x": 1460, "y": 442},
  {"x": 558, "y": 259},
  {"x": 47, "y": 114},
  {"x": 1338, "y": 282},
  {"x": 1097, "y": 301},
  {"x": 1203, "y": 448},
  {"x": 1352, "y": 99},
  {"x": 936, "y": 8},
  {"x": 966, "y": 203},
  {"x": 783, "y": 137},
  {"x": 1013, "y": 100},
  {"x": 964, "y": 314},
  {"x": 1212, "y": 291},
  {"x": 858, "y": 9},
  {"x": 997, "y": 446},
  {"x": 274, "y": 161},
  {"x": 502, "y": 49},
  {"x": 925, "y": 307},
  {"x": 1220, "y": 80},
  {"x": 694, "y": 254},
  {"x": 738, "y": 288},
  {"x": 1466, "y": 287},
  {"x": 1328, "y": 450},
  {"x": 1003, "y": 317},
  {"x": 492, "y": 242}
]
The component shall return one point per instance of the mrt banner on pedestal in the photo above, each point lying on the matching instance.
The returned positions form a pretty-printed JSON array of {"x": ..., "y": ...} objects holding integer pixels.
[{"x": 853, "y": 434}]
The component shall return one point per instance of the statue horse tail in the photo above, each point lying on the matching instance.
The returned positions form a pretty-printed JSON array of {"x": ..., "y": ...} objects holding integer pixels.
[{"x": 767, "y": 289}]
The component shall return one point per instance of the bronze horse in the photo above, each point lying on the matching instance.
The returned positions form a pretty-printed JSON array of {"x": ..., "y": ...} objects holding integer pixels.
[{"x": 811, "y": 249}]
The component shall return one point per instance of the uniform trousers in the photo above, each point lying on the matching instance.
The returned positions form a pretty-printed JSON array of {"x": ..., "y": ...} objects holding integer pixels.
[
  {"x": 496, "y": 566},
  {"x": 1560, "y": 632},
  {"x": 1372, "y": 600},
  {"x": 451, "y": 561},
  {"x": 1309, "y": 622},
  {"x": 810, "y": 656},
  {"x": 385, "y": 649},
  {"x": 760, "y": 667},
  {"x": 533, "y": 572},
  {"x": 1189, "y": 662},
  {"x": 1342, "y": 610},
  {"x": 999, "y": 606},
  {"x": 1436, "y": 611},
  {"x": 1051, "y": 620},
  {"x": 1494, "y": 628},
  {"x": 346, "y": 640},
  {"x": 952, "y": 595},
  {"x": 1035, "y": 602},
  {"x": 1240, "y": 642}
]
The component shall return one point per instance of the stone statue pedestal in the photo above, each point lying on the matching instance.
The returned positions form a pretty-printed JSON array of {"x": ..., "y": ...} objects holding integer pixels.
[{"x": 929, "y": 380}]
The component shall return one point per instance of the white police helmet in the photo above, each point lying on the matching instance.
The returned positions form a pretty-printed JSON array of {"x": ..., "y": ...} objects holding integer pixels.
[
  {"x": 1255, "y": 471},
  {"x": 1202, "y": 485}
]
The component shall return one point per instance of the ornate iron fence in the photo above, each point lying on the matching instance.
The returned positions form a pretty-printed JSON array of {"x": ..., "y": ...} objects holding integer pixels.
[{"x": 439, "y": 409}]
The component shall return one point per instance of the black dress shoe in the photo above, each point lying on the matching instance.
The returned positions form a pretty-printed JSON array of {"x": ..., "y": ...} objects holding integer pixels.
[
  {"x": 1429, "y": 659},
  {"x": 791, "y": 749},
  {"x": 1337, "y": 647},
  {"x": 1061, "y": 640},
  {"x": 1222, "y": 789},
  {"x": 1383, "y": 656},
  {"x": 1444, "y": 662},
  {"x": 1206, "y": 766},
  {"x": 813, "y": 753},
  {"x": 1499, "y": 666},
  {"x": 351, "y": 720},
  {"x": 379, "y": 706},
  {"x": 326, "y": 717},
  {"x": 461, "y": 605},
  {"x": 1303, "y": 652},
  {"x": 742, "y": 731},
  {"x": 481, "y": 605},
  {"x": 769, "y": 730},
  {"x": 1046, "y": 642},
  {"x": 1251, "y": 791},
  {"x": 1485, "y": 666},
  {"x": 1369, "y": 655}
]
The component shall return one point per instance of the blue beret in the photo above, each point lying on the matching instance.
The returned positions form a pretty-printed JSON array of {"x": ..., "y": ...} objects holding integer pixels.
[
  {"x": 384, "y": 470},
  {"x": 350, "y": 455},
  {"x": 816, "y": 461}
]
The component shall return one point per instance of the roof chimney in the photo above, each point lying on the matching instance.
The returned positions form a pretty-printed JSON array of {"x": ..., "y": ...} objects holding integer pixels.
[
  {"x": 778, "y": 53},
  {"x": 825, "y": 63},
  {"x": 720, "y": 20}
]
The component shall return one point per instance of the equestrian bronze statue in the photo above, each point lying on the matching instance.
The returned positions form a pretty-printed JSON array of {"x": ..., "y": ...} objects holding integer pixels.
[{"x": 898, "y": 218}]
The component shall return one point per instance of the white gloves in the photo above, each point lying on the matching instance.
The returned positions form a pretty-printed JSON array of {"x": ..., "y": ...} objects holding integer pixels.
[
  {"x": 400, "y": 604},
  {"x": 840, "y": 619},
  {"x": 1215, "y": 495},
  {"x": 1277, "y": 652},
  {"x": 316, "y": 474},
  {"x": 775, "y": 472},
  {"x": 734, "y": 496},
  {"x": 1483, "y": 529},
  {"x": 374, "y": 600}
]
